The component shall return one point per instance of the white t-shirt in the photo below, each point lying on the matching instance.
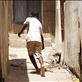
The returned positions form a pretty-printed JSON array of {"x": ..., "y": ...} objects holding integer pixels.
[{"x": 35, "y": 29}]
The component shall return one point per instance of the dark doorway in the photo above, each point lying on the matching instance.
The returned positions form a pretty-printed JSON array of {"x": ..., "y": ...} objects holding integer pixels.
[{"x": 22, "y": 9}]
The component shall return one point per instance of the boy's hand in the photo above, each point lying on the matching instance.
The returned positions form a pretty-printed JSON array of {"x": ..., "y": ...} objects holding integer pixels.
[
  {"x": 18, "y": 34},
  {"x": 42, "y": 42},
  {"x": 43, "y": 46}
]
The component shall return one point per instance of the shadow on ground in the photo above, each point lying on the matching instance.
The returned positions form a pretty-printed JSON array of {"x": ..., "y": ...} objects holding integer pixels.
[{"x": 18, "y": 71}]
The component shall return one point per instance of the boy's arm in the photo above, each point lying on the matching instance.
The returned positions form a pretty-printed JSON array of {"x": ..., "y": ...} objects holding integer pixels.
[
  {"x": 24, "y": 26},
  {"x": 42, "y": 38}
]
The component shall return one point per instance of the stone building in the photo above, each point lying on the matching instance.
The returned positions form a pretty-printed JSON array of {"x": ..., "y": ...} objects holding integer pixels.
[{"x": 62, "y": 19}]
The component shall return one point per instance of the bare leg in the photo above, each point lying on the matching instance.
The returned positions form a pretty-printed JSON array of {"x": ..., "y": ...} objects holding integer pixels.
[
  {"x": 33, "y": 62},
  {"x": 41, "y": 60},
  {"x": 42, "y": 71}
]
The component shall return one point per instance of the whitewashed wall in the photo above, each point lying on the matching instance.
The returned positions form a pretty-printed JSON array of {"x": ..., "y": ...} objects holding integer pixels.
[{"x": 72, "y": 38}]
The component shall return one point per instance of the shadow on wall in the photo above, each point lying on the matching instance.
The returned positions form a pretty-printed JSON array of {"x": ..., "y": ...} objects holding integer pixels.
[{"x": 18, "y": 71}]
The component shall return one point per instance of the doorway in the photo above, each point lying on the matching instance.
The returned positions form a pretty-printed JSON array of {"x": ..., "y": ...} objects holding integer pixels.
[{"x": 22, "y": 9}]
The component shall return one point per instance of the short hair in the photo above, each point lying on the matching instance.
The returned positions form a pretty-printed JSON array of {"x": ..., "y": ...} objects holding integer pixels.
[{"x": 35, "y": 14}]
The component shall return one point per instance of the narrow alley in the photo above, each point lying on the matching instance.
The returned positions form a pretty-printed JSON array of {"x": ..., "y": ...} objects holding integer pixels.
[
  {"x": 61, "y": 22},
  {"x": 20, "y": 67}
]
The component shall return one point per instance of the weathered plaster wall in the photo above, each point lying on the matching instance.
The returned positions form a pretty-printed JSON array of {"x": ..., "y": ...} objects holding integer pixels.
[
  {"x": 80, "y": 22},
  {"x": 72, "y": 38},
  {"x": 4, "y": 25}
]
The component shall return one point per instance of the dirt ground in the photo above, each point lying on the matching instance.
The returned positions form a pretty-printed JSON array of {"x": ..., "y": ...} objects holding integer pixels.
[{"x": 20, "y": 67}]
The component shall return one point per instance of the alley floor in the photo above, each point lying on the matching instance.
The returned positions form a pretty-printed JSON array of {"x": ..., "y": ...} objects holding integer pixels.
[{"x": 20, "y": 67}]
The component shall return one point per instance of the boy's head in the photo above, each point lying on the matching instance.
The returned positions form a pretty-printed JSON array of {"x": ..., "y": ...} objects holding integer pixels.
[{"x": 35, "y": 14}]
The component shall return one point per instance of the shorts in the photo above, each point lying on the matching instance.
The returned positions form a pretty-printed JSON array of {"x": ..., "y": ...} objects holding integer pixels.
[{"x": 34, "y": 48}]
